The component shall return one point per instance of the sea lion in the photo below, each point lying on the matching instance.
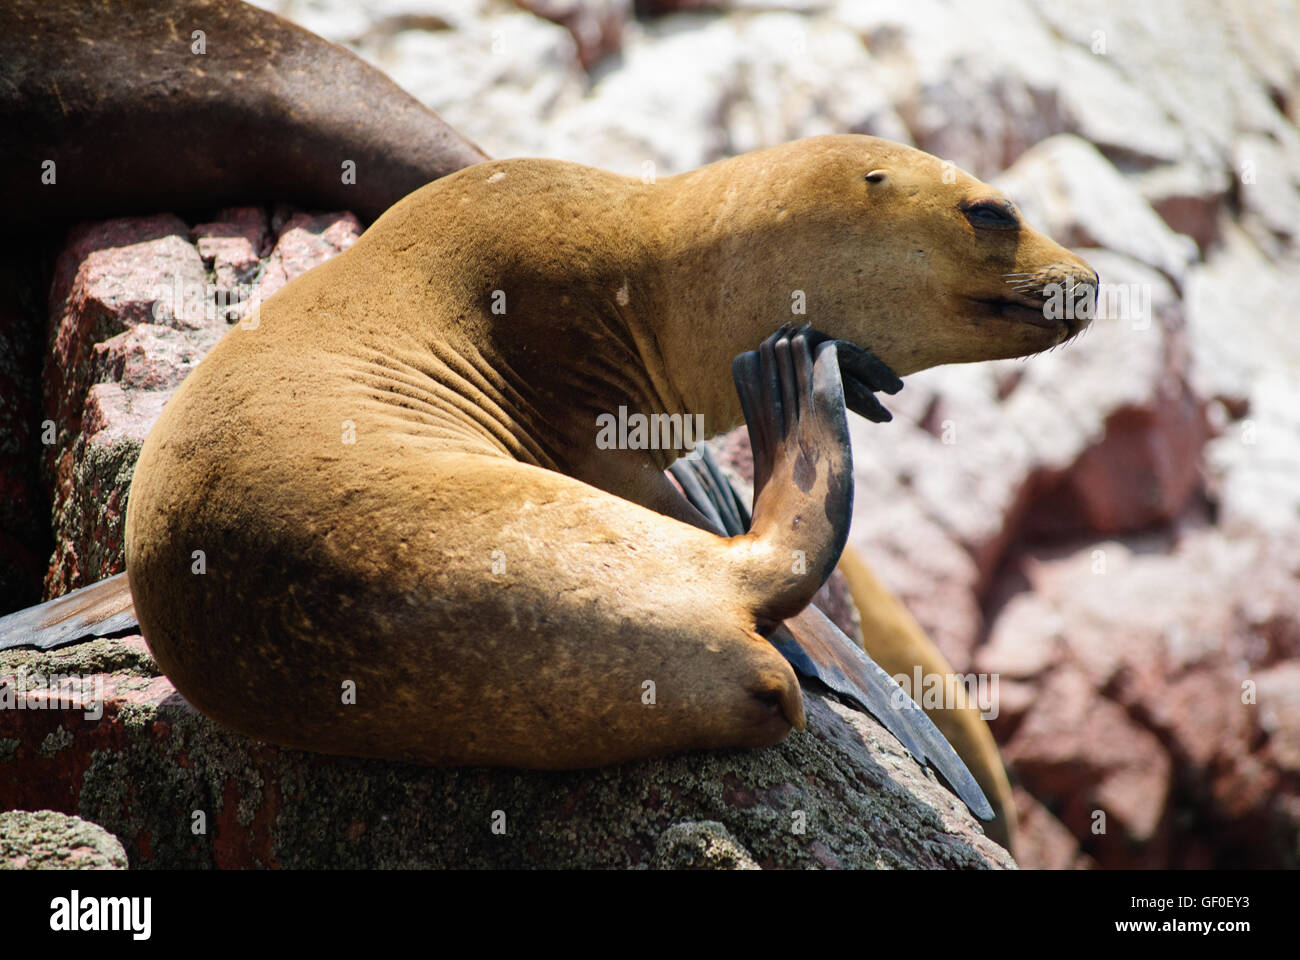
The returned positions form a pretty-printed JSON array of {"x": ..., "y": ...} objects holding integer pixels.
[
  {"x": 393, "y": 485},
  {"x": 131, "y": 106}
]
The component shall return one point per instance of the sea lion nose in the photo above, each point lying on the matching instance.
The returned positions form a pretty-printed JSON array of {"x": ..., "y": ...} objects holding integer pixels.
[{"x": 1089, "y": 307}]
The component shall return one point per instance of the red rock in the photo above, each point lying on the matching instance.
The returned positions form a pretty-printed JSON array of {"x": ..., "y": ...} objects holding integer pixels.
[
  {"x": 302, "y": 241},
  {"x": 131, "y": 755},
  {"x": 1043, "y": 842},
  {"x": 1025, "y": 641},
  {"x": 1147, "y": 655},
  {"x": 233, "y": 245},
  {"x": 596, "y": 25},
  {"x": 133, "y": 311},
  {"x": 1081, "y": 753},
  {"x": 148, "y": 357},
  {"x": 1279, "y": 714}
]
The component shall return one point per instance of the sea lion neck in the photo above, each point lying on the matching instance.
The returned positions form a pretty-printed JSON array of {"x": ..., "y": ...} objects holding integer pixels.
[{"x": 719, "y": 253}]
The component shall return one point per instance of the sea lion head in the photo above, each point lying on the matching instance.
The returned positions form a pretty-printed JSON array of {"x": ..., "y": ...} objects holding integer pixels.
[
  {"x": 977, "y": 282},
  {"x": 895, "y": 250}
]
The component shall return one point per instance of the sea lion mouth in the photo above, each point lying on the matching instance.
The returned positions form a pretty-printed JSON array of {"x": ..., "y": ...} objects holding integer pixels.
[{"x": 1023, "y": 310}]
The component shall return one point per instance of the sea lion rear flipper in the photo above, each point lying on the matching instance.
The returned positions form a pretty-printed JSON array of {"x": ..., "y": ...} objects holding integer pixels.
[
  {"x": 99, "y": 610},
  {"x": 793, "y": 402},
  {"x": 709, "y": 491},
  {"x": 817, "y": 649}
]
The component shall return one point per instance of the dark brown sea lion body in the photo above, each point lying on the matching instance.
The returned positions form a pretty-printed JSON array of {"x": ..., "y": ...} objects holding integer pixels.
[{"x": 114, "y": 93}]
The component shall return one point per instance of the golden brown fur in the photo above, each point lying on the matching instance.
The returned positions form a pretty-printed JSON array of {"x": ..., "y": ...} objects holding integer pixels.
[{"x": 498, "y": 589}]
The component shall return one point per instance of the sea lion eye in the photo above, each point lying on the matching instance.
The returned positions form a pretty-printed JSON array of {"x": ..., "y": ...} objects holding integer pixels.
[
  {"x": 875, "y": 176},
  {"x": 991, "y": 215}
]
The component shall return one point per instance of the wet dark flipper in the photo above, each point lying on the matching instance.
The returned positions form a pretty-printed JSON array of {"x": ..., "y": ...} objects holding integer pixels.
[
  {"x": 813, "y": 645},
  {"x": 709, "y": 491},
  {"x": 99, "y": 610},
  {"x": 817, "y": 648},
  {"x": 793, "y": 403},
  {"x": 863, "y": 375}
]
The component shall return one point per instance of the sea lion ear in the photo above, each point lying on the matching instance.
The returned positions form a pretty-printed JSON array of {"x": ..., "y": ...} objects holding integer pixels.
[{"x": 875, "y": 176}]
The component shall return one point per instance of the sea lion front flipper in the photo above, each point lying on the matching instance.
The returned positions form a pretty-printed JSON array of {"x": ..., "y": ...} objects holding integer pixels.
[
  {"x": 709, "y": 491},
  {"x": 815, "y": 647},
  {"x": 99, "y": 610},
  {"x": 793, "y": 404}
]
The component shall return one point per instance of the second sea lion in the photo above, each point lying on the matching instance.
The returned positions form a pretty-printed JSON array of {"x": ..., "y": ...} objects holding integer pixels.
[{"x": 135, "y": 106}]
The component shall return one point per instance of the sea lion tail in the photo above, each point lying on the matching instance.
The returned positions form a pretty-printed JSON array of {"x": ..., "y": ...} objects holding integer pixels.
[{"x": 99, "y": 610}]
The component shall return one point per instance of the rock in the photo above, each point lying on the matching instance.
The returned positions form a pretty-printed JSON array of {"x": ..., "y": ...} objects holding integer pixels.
[
  {"x": 595, "y": 25},
  {"x": 1148, "y": 46},
  {"x": 1066, "y": 188},
  {"x": 110, "y": 277},
  {"x": 46, "y": 840},
  {"x": 700, "y": 846},
  {"x": 1190, "y": 197},
  {"x": 1269, "y": 190},
  {"x": 1087, "y": 757},
  {"x": 1125, "y": 384},
  {"x": 232, "y": 245},
  {"x": 133, "y": 309},
  {"x": 1253, "y": 464},
  {"x": 972, "y": 86},
  {"x": 496, "y": 79},
  {"x": 1043, "y": 842},
  {"x": 1244, "y": 355},
  {"x": 349, "y": 24},
  {"x": 127, "y": 752},
  {"x": 1279, "y": 710},
  {"x": 1167, "y": 717},
  {"x": 691, "y": 89},
  {"x": 1238, "y": 321},
  {"x": 302, "y": 241}
]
